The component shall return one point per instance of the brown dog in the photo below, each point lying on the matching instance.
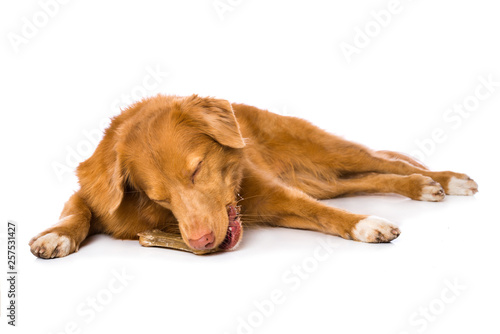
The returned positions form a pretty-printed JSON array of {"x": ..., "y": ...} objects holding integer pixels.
[{"x": 180, "y": 163}]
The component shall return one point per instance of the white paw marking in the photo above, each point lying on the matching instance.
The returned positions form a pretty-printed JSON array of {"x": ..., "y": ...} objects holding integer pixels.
[
  {"x": 462, "y": 187},
  {"x": 51, "y": 245},
  {"x": 375, "y": 229},
  {"x": 432, "y": 192}
]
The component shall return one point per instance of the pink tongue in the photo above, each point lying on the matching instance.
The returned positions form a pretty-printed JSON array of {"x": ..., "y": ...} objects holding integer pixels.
[{"x": 233, "y": 231}]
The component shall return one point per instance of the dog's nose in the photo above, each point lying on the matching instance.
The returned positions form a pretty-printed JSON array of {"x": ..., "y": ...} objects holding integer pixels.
[{"x": 205, "y": 242}]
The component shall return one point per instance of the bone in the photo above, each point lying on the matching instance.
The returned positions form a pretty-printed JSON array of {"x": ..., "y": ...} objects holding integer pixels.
[{"x": 157, "y": 238}]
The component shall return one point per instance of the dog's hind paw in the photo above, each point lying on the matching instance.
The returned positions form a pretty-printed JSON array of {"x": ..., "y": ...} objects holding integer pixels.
[
  {"x": 464, "y": 187},
  {"x": 432, "y": 191},
  {"x": 375, "y": 229}
]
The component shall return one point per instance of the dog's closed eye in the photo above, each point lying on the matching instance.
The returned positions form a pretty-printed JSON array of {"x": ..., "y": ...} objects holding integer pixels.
[{"x": 196, "y": 171}]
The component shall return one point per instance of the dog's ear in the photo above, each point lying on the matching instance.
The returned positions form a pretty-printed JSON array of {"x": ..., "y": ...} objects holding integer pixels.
[
  {"x": 220, "y": 123},
  {"x": 104, "y": 178},
  {"x": 116, "y": 185}
]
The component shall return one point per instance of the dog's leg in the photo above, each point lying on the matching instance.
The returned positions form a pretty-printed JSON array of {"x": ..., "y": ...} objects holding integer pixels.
[
  {"x": 356, "y": 159},
  {"x": 400, "y": 156},
  {"x": 66, "y": 236},
  {"x": 382, "y": 172},
  {"x": 415, "y": 186},
  {"x": 268, "y": 201},
  {"x": 452, "y": 183}
]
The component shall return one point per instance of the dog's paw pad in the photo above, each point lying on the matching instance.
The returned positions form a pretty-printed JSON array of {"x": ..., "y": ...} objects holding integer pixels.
[
  {"x": 432, "y": 192},
  {"x": 375, "y": 229},
  {"x": 463, "y": 187},
  {"x": 51, "y": 245}
]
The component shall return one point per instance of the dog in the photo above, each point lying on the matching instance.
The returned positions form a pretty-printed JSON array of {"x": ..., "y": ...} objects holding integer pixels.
[{"x": 187, "y": 164}]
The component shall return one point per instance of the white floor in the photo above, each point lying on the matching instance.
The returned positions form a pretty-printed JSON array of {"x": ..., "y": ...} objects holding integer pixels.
[{"x": 440, "y": 276}]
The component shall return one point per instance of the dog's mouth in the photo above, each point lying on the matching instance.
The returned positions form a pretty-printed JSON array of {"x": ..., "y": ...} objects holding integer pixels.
[{"x": 234, "y": 229}]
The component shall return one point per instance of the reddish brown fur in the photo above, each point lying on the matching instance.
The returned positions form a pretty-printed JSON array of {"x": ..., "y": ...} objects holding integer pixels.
[{"x": 141, "y": 174}]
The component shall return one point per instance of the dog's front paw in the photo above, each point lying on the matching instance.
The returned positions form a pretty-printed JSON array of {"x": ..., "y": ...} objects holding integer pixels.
[
  {"x": 52, "y": 245},
  {"x": 464, "y": 186},
  {"x": 375, "y": 229}
]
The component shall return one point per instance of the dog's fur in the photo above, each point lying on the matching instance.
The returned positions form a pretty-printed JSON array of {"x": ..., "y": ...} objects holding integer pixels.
[{"x": 177, "y": 163}]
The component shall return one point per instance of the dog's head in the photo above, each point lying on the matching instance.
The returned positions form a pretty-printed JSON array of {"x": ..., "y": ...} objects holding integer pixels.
[{"x": 185, "y": 155}]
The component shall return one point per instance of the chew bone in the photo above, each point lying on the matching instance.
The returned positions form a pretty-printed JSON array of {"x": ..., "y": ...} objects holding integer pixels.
[{"x": 157, "y": 238}]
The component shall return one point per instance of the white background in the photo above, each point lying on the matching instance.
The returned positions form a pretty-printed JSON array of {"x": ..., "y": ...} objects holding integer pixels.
[{"x": 284, "y": 56}]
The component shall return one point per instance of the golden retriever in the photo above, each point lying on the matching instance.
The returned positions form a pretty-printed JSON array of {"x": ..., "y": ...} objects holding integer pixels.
[{"x": 186, "y": 164}]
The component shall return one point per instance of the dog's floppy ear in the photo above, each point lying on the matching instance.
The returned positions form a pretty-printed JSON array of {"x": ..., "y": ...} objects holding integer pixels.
[
  {"x": 116, "y": 185},
  {"x": 104, "y": 178},
  {"x": 220, "y": 123}
]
